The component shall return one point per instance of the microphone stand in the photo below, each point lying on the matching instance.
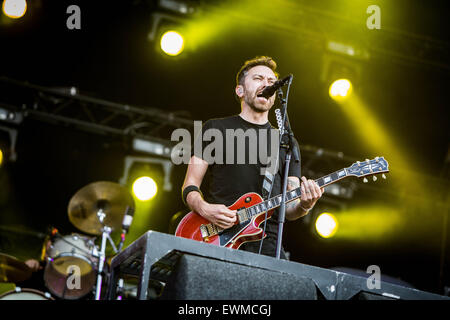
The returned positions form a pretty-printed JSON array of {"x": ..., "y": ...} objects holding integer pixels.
[
  {"x": 106, "y": 231},
  {"x": 287, "y": 141},
  {"x": 126, "y": 223}
]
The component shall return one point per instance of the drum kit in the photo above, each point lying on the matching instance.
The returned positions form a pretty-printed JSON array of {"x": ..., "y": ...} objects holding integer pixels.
[{"x": 75, "y": 265}]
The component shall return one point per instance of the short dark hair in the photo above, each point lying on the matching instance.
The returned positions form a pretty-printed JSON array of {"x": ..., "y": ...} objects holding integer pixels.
[{"x": 257, "y": 61}]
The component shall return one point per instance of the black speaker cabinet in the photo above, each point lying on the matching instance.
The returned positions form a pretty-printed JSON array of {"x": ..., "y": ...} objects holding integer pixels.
[
  {"x": 201, "y": 278},
  {"x": 162, "y": 266}
]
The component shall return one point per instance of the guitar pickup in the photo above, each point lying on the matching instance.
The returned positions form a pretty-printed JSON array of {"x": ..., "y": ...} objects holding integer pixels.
[
  {"x": 209, "y": 230},
  {"x": 242, "y": 215}
]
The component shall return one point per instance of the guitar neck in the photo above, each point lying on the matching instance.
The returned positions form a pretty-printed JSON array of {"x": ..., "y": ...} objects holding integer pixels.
[{"x": 291, "y": 195}]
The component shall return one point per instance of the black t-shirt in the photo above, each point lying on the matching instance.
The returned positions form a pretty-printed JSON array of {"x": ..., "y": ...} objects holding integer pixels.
[{"x": 236, "y": 166}]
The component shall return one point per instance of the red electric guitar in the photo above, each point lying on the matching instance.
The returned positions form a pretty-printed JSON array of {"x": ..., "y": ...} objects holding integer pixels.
[{"x": 251, "y": 209}]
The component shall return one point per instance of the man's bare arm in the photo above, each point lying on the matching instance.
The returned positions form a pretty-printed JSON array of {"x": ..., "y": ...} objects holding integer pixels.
[
  {"x": 194, "y": 176},
  {"x": 218, "y": 214}
]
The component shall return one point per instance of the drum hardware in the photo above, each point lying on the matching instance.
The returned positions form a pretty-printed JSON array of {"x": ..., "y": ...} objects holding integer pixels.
[
  {"x": 26, "y": 294},
  {"x": 119, "y": 289},
  {"x": 126, "y": 223},
  {"x": 106, "y": 231},
  {"x": 67, "y": 256},
  {"x": 109, "y": 198},
  {"x": 12, "y": 269},
  {"x": 73, "y": 245},
  {"x": 128, "y": 218},
  {"x": 97, "y": 208}
]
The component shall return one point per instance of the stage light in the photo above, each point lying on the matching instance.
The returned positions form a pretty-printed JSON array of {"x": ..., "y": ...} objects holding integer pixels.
[
  {"x": 345, "y": 49},
  {"x": 159, "y": 169},
  {"x": 172, "y": 43},
  {"x": 14, "y": 9},
  {"x": 158, "y": 148},
  {"x": 144, "y": 188},
  {"x": 178, "y": 7},
  {"x": 340, "y": 89},
  {"x": 1, "y": 157},
  {"x": 326, "y": 225}
]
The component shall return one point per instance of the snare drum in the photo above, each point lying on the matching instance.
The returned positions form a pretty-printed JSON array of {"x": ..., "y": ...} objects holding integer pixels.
[
  {"x": 25, "y": 294},
  {"x": 70, "y": 270}
]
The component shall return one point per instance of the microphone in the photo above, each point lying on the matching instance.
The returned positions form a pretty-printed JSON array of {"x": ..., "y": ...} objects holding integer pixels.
[
  {"x": 270, "y": 90},
  {"x": 126, "y": 223},
  {"x": 127, "y": 219}
]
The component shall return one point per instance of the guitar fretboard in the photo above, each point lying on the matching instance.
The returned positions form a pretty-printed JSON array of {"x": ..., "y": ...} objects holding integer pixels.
[{"x": 275, "y": 202}]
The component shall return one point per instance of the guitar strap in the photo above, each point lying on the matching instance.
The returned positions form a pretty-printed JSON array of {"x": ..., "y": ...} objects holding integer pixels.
[
  {"x": 270, "y": 173},
  {"x": 271, "y": 170},
  {"x": 268, "y": 183}
]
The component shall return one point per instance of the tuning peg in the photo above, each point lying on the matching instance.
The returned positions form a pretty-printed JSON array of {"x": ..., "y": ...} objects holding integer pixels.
[
  {"x": 374, "y": 178},
  {"x": 365, "y": 180},
  {"x": 383, "y": 176}
]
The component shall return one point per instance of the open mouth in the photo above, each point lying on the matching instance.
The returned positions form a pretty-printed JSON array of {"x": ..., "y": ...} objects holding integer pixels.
[{"x": 260, "y": 97}]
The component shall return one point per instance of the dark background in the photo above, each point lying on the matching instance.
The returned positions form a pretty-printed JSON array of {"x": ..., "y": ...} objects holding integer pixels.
[{"x": 110, "y": 58}]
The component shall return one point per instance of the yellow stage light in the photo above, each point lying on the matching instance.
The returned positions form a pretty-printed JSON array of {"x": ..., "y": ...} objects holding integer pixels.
[
  {"x": 1, "y": 157},
  {"x": 340, "y": 89},
  {"x": 14, "y": 8},
  {"x": 326, "y": 225},
  {"x": 172, "y": 43},
  {"x": 144, "y": 188}
]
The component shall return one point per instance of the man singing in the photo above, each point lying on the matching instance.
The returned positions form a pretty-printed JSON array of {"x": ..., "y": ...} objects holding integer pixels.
[{"x": 225, "y": 181}]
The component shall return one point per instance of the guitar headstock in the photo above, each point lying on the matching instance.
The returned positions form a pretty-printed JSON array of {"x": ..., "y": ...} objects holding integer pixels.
[{"x": 362, "y": 169}]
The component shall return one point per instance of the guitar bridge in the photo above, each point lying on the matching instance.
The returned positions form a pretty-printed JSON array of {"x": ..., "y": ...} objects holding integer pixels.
[
  {"x": 208, "y": 230},
  {"x": 204, "y": 231}
]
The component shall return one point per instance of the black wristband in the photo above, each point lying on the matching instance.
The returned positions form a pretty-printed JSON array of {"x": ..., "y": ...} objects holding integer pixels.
[{"x": 189, "y": 189}]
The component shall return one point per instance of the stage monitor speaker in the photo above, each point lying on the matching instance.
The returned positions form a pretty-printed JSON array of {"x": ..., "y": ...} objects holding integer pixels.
[
  {"x": 199, "y": 278},
  {"x": 177, "y": 268},
  {"x": 363, "y": 295}
]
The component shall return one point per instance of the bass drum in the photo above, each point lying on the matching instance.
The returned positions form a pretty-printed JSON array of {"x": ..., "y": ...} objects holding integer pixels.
[
  {"x": 70, "y": 272},
  {"x": 25, "y": 294}
]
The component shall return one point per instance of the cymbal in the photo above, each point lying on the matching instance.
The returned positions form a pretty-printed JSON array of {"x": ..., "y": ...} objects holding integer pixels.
[
  {"x": 110, "y": 197},
  {"x": 13, "y": 270}
]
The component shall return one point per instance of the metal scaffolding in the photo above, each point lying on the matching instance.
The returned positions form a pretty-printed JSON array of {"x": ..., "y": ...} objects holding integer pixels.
[
  {"x": 67, "y": 107},
  {"x": 317, "y": 27}
]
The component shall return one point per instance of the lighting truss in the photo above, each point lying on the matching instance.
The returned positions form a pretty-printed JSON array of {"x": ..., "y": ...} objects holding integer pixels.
[
  {"x": 316, "y": 27},
  {"x": 66, "y": 106}
]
